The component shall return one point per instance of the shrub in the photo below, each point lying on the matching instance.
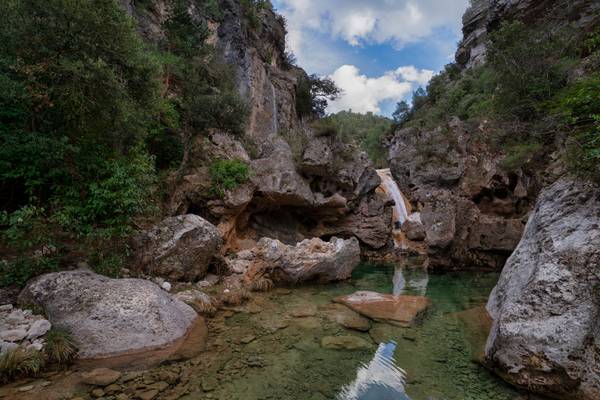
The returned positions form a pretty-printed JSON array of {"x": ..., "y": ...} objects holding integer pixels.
[
  {"x": 19, "y": 271},
  {"x": 325, "y": 127},
  {"x": 60, "y": 347},
  {"x": 227, "y": 175},
  {"x": 519, "y": 154},
  {"x": 262, "y": 284},
  {"x": 579, "y": 107},
  {"x": 20, "y": 362},
  {"x": 235, "y": 297}
]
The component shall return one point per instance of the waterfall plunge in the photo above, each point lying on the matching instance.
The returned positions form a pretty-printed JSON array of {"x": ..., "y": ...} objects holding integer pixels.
[{"x": 401, "y": 209}]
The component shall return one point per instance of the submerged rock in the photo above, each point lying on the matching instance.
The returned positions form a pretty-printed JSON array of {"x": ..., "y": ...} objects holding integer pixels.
[
  {"x": 109, "y": 316},
  {"x": 179, "y": 248},
  {"x": 345, "y": 343},
  {"x": 346, "y": 317},
  {"x": 395, "y": 310},
  {"x": 545, "y": 335}
]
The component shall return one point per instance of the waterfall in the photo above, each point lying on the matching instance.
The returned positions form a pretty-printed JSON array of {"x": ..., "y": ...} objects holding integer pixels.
[
  {"x": 274, "y": 99},
  {"x": 401, "y": 209}
]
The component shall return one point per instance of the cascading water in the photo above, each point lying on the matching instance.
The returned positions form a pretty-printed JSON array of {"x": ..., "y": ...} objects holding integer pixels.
[{"x": 401, "y": 209}]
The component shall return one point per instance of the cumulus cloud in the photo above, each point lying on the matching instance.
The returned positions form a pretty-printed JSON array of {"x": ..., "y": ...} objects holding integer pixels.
[
  {"x": 372, "y": 21},
  {"x": 364, "y": 94}
]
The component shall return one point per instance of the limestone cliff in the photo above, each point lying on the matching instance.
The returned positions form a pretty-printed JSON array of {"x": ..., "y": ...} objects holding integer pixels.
[{"x": 301, "y": 185}]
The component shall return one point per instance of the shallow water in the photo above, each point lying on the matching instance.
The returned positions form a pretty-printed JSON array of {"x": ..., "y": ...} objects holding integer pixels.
[{"x": 264, "y": 350}]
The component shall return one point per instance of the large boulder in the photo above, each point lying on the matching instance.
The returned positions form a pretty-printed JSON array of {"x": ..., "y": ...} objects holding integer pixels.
[
  {"x": 108, "y": 316},
  {"x": 179, "y": 248},
  {"x": 309, "y": 260},
  {"x": 546, "y": 336}
]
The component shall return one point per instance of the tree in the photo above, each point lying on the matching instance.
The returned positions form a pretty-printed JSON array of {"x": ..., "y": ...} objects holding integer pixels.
[
  {"x": 402, "y": 112},
  {"x": 313, "y": 95}
]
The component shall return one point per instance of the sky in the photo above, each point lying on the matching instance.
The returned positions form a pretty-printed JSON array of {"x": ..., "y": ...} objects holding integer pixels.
[{"x": 377, "y": 51}]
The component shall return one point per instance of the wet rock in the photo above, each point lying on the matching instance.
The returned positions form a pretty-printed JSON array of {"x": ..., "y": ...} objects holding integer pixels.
[
  {"x": 345, "y": 343},
  {"x": 545, "y": 306},
  {"x": 109, "y": 316},
  {"x": 308, "y": 310},
  {"x": 396, "y": 310},
  {"x": 414, "y": 230},
  {"x": 198, "y": 300},
  {"x": 100, "y": 377},
  {"x": 346, "y": 317},
  {"x": 179, "y": 248}
]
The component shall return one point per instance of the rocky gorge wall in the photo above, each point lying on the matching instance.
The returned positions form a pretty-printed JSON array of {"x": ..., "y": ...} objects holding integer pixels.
[{"x": 301, "y": 186}]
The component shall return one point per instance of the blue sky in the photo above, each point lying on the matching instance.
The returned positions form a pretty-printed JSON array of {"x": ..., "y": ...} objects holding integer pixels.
[{"x": 377, "y": 51}]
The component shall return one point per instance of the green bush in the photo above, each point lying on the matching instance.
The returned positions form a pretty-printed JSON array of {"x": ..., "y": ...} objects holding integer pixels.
[
  {"x": 519, "y": 154},
  {"x": 325, "y": 127},
  {"x": 227, "y": 175},
  {"x": 579, "y": 108}
]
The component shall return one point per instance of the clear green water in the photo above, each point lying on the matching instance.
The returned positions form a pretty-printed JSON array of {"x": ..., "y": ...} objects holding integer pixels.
[{"x": 262, "y": 352}]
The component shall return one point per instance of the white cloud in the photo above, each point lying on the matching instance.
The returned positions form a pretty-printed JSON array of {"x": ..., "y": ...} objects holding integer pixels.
[
  {"x": 363, "y": 94},
  {"x": 371, "y": 21}
]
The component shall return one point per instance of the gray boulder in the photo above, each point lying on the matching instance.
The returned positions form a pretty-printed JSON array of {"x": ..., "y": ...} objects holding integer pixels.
[
  {"x": 309, "y": 260},
  {"x": 179, "y": 248},
  {"x": 109, "y": 316},
  {"x": 546, "y": 334}
]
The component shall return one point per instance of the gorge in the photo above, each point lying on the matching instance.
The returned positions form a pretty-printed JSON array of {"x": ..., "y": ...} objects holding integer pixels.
[{"x": 182, "y": 219}]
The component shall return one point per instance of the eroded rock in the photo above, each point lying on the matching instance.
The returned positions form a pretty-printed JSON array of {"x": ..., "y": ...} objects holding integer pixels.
[
  {"x": 309, "y": 260},
  {"x": 545, "y": 334},
  {"x": 179, "y": 248}
]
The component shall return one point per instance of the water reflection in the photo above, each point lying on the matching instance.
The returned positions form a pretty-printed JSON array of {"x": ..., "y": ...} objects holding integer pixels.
[
  {"x": 410, "y": 282},
  {"x": 381, "y": 379}
]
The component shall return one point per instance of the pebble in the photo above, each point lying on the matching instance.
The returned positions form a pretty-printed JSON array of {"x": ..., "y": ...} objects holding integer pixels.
[
  {"x": 25, "y": 388},
  {"x": 160, "y": 386},
  {"x": 148, "y": 395},
  {"x": 166, "y": 286},
  {"x": 6, "y": 308},
  {"x": 100, "y": 377},
  {"x": 97, "y": 393}
]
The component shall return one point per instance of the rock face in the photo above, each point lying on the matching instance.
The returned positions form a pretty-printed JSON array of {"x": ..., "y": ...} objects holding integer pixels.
[
  {"x": 395, "y": 310},
  {"x": 309, "y": 260},
  {"x": 484, "y": 16},
  {"x": 179, "y": 248},
  {"x": 472, "y": 211},
  {"x": 545, "y": 335},
  {"x": 300, "y": 182},
  {"x": 109, "y": 316}
]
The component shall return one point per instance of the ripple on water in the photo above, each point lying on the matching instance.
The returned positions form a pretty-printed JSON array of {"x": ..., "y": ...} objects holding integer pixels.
[{"x": 380, "y": 379}]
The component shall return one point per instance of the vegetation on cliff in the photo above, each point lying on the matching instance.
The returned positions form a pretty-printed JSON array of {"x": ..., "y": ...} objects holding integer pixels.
[
  {"x": 90, "y": 114},
  {"x": 538, "y": 90}
]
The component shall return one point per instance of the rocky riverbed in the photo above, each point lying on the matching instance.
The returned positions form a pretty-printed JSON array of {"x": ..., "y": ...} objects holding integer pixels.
[{"x": 298, "y": 344}]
